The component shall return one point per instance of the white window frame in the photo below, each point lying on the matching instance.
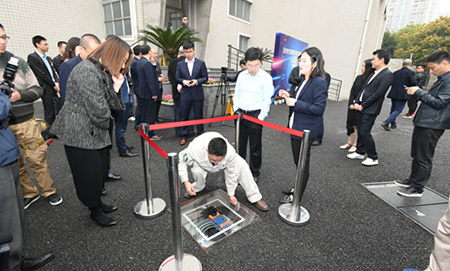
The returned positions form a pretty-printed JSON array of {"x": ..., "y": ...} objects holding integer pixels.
[
  {"x": 237, "y": 18},
  {"x": 239, "y": 40},
  {"x": 132, "y": 17}
]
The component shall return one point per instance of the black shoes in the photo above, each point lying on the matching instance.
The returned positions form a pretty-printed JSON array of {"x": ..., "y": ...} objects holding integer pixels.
[
  {"x": 54, "y": 199},
  {"x": 108, "y": 208},
  {"x": 316, "y": 143},
  {"x": 35, "y": 263},
  {"x": 104, "y": 192},
  {"x": 102, "y": 219},
  {"x": 287, "y": 199},
  {"x": 393, "y": 126},
  {"x": 28, "y": 201},
  {"x": 127, "y": 153},
  {"x": 409, "y": 192},
  {"x": 385, "y": 126},
  {"x": 403, "y": 183},
  {"x": 113, "y": 177}
]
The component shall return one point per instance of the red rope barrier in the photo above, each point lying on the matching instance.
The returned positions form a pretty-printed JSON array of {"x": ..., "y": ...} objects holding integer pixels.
[
  {"x": 154, "y": 127},
  {"x": 210, "y": 120},
  {"x": 274, "y": 126},
  {"x": 153, "y": 144}
]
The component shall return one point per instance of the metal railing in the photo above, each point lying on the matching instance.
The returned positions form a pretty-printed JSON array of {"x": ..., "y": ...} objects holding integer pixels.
[
  {"x": 235, "y": 55},
  {"x": 334, "y": 89}
]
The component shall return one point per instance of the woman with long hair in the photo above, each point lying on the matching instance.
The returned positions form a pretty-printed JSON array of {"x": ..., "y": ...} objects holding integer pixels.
[
  {"x": 93, "y": 90},
  {"x": 308, "y": 105},
  {"x": 352, "y": 130},
  {"x": 72, "y": 49}
]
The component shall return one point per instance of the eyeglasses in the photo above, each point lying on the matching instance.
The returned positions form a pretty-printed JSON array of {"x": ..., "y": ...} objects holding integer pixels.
[
  {"x": 4, "y": 37},
  {"x": 256, "y": 67}
]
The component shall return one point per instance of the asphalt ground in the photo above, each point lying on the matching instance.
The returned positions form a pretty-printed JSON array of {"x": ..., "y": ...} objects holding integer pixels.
[{"x": 350, "y": 228}]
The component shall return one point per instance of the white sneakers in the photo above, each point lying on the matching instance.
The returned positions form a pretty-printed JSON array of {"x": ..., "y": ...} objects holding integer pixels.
[
  {"x": 355, "y": 155},
  {"x": 367, "y": 162},
  {"x": 370, "y": 162}
]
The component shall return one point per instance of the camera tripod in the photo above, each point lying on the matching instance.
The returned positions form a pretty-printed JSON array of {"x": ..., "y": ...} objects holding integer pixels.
[{"x": 223, "y": 91}]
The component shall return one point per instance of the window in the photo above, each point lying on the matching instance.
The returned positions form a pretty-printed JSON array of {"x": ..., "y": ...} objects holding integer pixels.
[
  {"x": 117, "y": 18},
  {"x": 243, "y": 43},
  {"x": 240, "y": 9}
]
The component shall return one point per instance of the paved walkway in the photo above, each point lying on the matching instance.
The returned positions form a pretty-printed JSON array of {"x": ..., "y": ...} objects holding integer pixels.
[{"x": 350, "y": 228}]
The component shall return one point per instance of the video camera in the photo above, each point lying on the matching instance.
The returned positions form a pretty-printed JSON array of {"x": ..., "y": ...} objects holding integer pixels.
[
  {"x": 8, "y": 75},
  {"x": 224, "y": 72}
]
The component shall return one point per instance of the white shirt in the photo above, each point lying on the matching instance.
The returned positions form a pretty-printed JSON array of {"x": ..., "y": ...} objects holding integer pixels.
[
  {"x": 190, "y": 65},
  {"x": 253, "y": 92},
  {"x": 300, "y": 88}
]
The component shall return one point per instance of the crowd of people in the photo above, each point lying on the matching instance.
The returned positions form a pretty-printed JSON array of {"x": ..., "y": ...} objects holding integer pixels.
[{"x": 87, "y": 93}]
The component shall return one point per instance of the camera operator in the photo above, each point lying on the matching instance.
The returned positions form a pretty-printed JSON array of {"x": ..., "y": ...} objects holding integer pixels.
[
  {"x": 11, "y": 203},
  {"x": 26, "y": 130},
  {"x": 234, "y": 79}
]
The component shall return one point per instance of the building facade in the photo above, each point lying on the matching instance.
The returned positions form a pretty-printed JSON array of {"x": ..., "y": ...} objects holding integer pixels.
[
  {"x": 401, "y": 13},
  {"x": 345, "y": 33}
]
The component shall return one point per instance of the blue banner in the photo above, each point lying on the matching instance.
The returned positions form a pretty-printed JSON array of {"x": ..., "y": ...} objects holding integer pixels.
[{"x": 285, "y": 55}]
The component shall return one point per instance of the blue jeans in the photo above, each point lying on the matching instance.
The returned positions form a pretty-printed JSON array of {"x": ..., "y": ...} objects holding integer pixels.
[
  {"x": 396, "y": 108},
  {"x": 121, "y": 126}
]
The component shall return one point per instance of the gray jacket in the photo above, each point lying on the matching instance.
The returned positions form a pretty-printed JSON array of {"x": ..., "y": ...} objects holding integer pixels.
[
  {"x": 84, "y": 120},
  {"x": 434, "y": 112}
]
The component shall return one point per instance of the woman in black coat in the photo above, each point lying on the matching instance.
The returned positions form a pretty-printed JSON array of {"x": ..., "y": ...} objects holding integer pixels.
[{"x": 352, "y": 130}]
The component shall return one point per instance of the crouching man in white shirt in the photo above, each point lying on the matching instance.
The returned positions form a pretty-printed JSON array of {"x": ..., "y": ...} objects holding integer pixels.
[{"x": 211, "y": 152}]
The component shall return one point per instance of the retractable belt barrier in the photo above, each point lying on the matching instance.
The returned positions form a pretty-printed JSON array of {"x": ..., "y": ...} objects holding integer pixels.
[{"x": 292, "y": 214}]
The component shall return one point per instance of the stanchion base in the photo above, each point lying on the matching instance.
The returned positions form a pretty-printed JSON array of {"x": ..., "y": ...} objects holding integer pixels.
[
  {"x": 190, "y": 263},
  {"x": 141, "y": 211},
  {"x": 284, "y": 213}
]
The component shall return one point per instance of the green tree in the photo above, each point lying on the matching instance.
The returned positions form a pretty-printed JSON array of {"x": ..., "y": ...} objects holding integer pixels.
[
  {"x": 389, "y": 42},
  {"x": 168, "y": 40},
  {"x": 422, "y": 39}
]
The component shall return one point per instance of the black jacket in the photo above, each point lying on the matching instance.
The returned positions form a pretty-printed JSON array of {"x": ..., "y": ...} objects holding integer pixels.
[
  {"x": 374, "y": 91},
  {"x": 434, "y": 111},
  {"x": 402, "y": 77}
]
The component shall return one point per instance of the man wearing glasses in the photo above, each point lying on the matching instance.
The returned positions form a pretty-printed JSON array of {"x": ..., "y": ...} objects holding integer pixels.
[{"x": 254, "y": 89}]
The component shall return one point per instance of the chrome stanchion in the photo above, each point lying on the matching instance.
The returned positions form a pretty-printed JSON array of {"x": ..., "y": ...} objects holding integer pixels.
[
  {"x": 293, "y": 213},
  {"x": 238, "y": 129},
  {"x": 179, "y": 261},
  {"x": 150, "y": 207}
]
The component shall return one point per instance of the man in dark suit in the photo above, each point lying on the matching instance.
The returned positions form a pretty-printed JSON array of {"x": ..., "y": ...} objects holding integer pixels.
[
  {"x": 369, "y": 102},
  {"x": 47, "y": 78},
  {"x": 191, "y": 74},
  {"x": 403, "y": 77},
  {"x": 134, "y": 84},
  {"x": 57, "y": 59},
  {"x": 147, "y": 90},
  {"x": 161, "y": 78}
]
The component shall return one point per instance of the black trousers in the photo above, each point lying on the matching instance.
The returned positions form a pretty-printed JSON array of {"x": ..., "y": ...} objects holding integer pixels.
[
  {"x": 251, "y": 132},
  {"x": 296, "y": 144},
  {"x": 423, "y": 144},
  {"x": 148, "y": 116},
  {"x": 89, "y": 173},
  {"x": 187, "y": 107},
  {"x": 412, "y": 105},
  {"x": 48, "y": 100},
  {"x": 366, "y": 144}
]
